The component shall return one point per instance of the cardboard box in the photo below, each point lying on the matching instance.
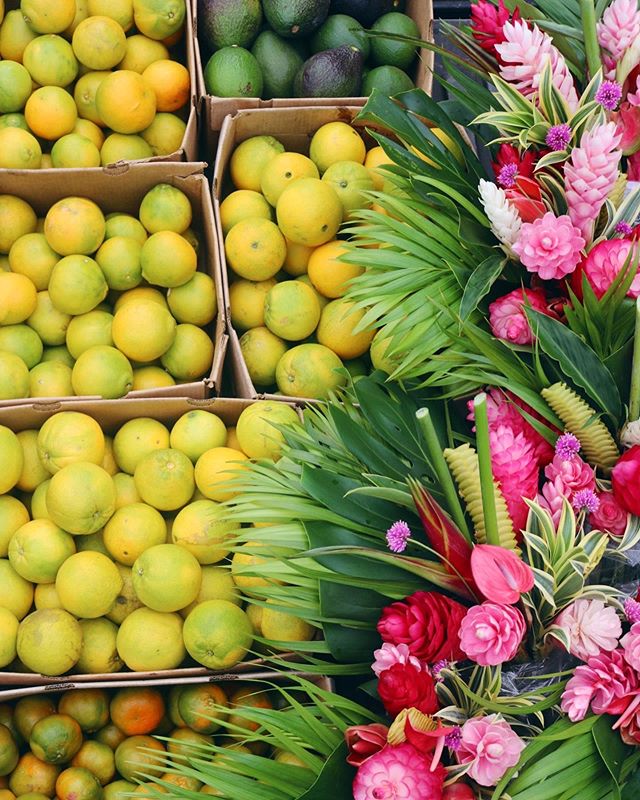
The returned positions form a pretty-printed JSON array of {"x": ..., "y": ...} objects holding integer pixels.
[
  {"x": 185, "y": 53},
  {"x": 294, "y": 127},
  {"x": 121, "y": 187},
  {"x": 111, "y": 414},
  {"x": 214, "y": 109}
]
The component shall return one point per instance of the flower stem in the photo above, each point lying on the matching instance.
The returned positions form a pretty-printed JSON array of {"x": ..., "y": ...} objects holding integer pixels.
[
  {"x": 634, "y": 393},
  {"x": 591, "y": 46},
  {"x": 443, "y": 474},
  {"x": 484, "y": 466}
]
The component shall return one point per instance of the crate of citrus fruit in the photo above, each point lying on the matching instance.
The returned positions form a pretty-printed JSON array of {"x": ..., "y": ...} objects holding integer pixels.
[
  {"x": 85, "y": 83},
  {"x": 109, "y": 284},
  {"x": 115, "y": 550},
  {"x": 284, "y": 182}
]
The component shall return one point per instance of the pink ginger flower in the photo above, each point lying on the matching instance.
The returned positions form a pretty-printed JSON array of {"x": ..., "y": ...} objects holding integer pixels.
[
  {"x": 604, "y": 262},
  {"x": 490, "y": 746},
  {"x": 500, "y": 574},
  {"x": 398, "y": 772},
  {"x": 491, "y": 633},
  {"x": 604, "y": 683},
  {"x": 390, "y": 654},
  {"x": 525, "y": 53},
  {"x": 575, "y": 475},
  {"x": 552, "y": 498},
  {"x": 487, "y": 22},
  {"x": 592, "y": 627},
  {"x": 550, "y": 246},
  {"x": 507, "y": 315},
  {"x": 633, "y": 98},
  {"x": 515, "y": 467},
  {"x": 619, "y": 27},
  {"x": 590, "y": 175},
  {"x": 610, "y": 516},
  {"x": 631, "y": 644}
]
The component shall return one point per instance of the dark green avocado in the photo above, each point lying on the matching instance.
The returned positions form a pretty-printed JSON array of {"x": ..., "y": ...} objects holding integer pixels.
[
  {"x": 330, "y": 73},
  {"x": 366, "y": 11},
  {"x": 222, "y": 23},
  {"x": 295, "y": 18}
]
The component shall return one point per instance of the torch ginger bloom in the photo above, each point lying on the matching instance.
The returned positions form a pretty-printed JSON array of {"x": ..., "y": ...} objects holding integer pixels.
[
  {"x": 499, "y": 574},
  {"x": 491, "y": 633},
  {"x": 398, "y": 771},
  {"x": 515, "y": 467},
  {"x": 487, "y": 23},
  {"x": 507, "y": 316},
  {"x": 550, "y": 246},
  {"x": 490, "y": 746},
  {"x": 591, "y": 626},
  {"x": 619, "y": 27}
]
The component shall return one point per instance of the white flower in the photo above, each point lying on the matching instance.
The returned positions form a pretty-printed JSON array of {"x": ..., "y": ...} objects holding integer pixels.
[
  {"x": 592, "y": 627},
  {"x": 505, "y": 220}
]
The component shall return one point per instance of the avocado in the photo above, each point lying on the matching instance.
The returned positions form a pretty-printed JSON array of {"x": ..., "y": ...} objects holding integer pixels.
[
  {"x": 279, "y": 61},
  {"x": 330, "y": 73},
  {"x": 222, "y": 23},
  {"x": 339, "y": 29},
  {"x": 366, "y": 11},
  {"x": 295, "y": 18}
]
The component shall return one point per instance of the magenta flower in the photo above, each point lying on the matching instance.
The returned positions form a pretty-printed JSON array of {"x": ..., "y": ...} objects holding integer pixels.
[
  {"x": 398, "y": 772},
  {"x": 610, "y": 516},
  {"x": 500, "y": 574},
  {"x": 604, "y": 683},
  {"x": 515, "y": 467},
  {"x": 552, "y": 498},
  {"x": 585, "y": 500},
  {"x": 507, "y": 316},
  {"x": 567, "y": 446},
  {"x": 491, "y": 633},
  {"x": 507, "y": 176},
  {"x": 631, "y": 645},
  {"x": 605, "y": 261},
  {"x": 624, "y": 229},
  {"x": 490, "y": 746},
  {"x": 632, "y": 610},
  {"x": 576, "y": 475},
  {"x": 591, "y": 626},
  {"x": 550, "y": 246},
  {"x": 487, "y": 22},
  {"x": 390, "y": 654},
  {"x": 397, "y": 536},
  {"x": 625, "y": 480},
  {"x": 609, "y": 95},
  {"x": 559, "y": 136},
  {"x": 619, "y": 27}
]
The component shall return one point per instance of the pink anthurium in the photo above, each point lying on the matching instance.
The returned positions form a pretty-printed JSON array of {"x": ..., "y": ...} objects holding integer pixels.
[{"x": 499, "y": 574}]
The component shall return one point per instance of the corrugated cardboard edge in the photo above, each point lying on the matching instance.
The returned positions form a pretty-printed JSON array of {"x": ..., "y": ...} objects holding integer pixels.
[
  {"x": 213, "y": 110},
  {"x": 120, "y": 188}
]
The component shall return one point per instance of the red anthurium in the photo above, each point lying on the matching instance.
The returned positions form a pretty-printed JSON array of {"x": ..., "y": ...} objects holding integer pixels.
[
  {"x": 364, "y": 741},
  {"x": 499, "y": 574}
]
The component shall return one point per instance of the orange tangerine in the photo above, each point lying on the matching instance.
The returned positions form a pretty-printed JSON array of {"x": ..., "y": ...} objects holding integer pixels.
[
  {"x": 99, "y": 42},
  {"x": 89, "y": 707},
  {"x": 329, "y": 275},
  {"x": 133, "y": 756},
  {"x": 137, "y": 710},
  {"x": 77, "y": 783},
  {"x": 55, "y": 739},
  {"x": 18, "y": 298},
  {"x": 215, "y": 468},
  {"x": 33, "y": 775},
  {"x": 50, "y": 61},
  {"x": 50, "y": 112},
  {"x": 126, "y": 102},
  {"x": 171, "y": 83},
  {"x": 199, "y": 707},
  {"x": 143, "y": 330}
]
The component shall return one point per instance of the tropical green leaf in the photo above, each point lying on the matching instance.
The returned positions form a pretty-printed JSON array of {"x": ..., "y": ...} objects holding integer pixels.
[{"x": 480, "y": 283}]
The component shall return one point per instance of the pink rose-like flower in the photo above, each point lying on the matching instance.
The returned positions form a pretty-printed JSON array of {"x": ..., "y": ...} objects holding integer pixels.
[
  {"x": 491, "y": 633},
  {"x": 390, "y": 654},
  {"x": 507, "y": 315},
  {"x": 491, "y": 747},
  {"x": 625, "y": 480},
  {"x": 552, "y": 498},
  {"x": 604, "y": 683},
  {"x": 458, "y": 791},
  {"x": 631, "y": 644},
  {"x": 592, "y": 627},
  {"x": 575, "y": 474},
  {"x": 602, "y": 265},
  {"x": 365, "y": 741},
  {"x": 550, "y": 246},
  {"x": 610, "y": 516},
  {"x": 499, "y": 574},
  {"x": 398, "y": 772}
]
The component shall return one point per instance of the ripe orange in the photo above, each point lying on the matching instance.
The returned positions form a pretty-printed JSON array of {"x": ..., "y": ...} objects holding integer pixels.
[
  {"x": 199, "y": 707},
  {"x": 126, "y": 102},
  {"x": 170, "y": 82},
  {"x": 137, "y": 710}
]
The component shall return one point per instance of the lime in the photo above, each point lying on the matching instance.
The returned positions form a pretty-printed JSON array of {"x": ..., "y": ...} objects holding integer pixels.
[
  {"x": 388, "y": 79},
  {"x": 233, "y": 72},
  {"x": 387, "y": 51}
]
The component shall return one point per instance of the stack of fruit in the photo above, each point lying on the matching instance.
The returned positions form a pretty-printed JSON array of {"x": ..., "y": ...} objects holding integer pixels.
[
  {"x": 100, "y": 306},
  {"x": 90, "y": 744},
  {"x": 288, "y": 286},
  {"x": 121, "y": 543},
  {"x": 307, "y": 48},
  {"x": 90, "y": 83}
]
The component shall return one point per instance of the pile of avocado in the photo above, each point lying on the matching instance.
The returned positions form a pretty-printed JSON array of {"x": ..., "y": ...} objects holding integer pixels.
[{"x": 304, "y": 48}]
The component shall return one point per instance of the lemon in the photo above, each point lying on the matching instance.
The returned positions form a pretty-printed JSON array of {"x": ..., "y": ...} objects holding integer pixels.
[
  {"x": 261, "y": 351},
  {"x": 49, "y": 641},
  {"x": 243, "y": 204},
  {"x": 81, "y": 498},
  {"x": 13, "y": 515},
  {"x": 69, "y": 437},
  {"x": 196, "y": 432},
  {"x": 336, "y": 141},
  {"x": 309, "y": 212},
  {"x": 291, "y": 310},
  {"x": 250, "y": 158},
  {"x": 297, "y": 259},
  {"x": 282, "y": 170},
  {"x": 336, "y": 329},
  {"x": 166, "y": 577},
  {"x": 8, "y": 636},
  {"x": 38, "y": 550},
  {"x": 136, "y": 439},
  {"x": 201, "y": 528},
  {"x": 246, "y": 302},
  {"x": 258, "y": 428},
  {"x": 88, "y": 584},
  {"x": 132, "y": 530},
  {"x": 165, "y": 479},
  {"x": 217, "y": 634},
  {"x": 16, "y": 593},
  {"x": 350, "y": 180},
  {"x": 151, "y": 640},
  {"x": 11, "y": 459},
  {"x": 255, "y": 249}
]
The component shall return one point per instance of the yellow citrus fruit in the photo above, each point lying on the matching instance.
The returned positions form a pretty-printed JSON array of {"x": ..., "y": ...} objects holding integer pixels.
[
  {"x": 8, "y": 638},
  {"x": 119, "y": 260},
  {"x": 164, "y": 479},
  {"x": 282, "y": 170},
  {"x": 217, "y": 634},
  {"x": 98, "y": 654},
  {"x": 125, "y": 225},
  {"x": 250, "y": 158},
  {"x": 201, "y": 528},
  {"x": 11, "y": 460},
  {"x": 31, "y": 255},
  {"x": 23, "y": 341},
  {"x": 46, "y": 17},
  {"x": 171, "y": 83},
  {"x": 197, "y": 431},
  {"x": 15, "y": 35},
  {"x": 309, "y": 212},
  {"x": 145, "y": 378},
  {"x": 50, "y": 61},
  {"x": 82, "y": 12},
  {"x": 74, "y": 226},
  {"x": 49, "y": 641},
  {"x": 337, "y": 329},
  {"x": 104, "y": 371},
  {"x": 95, "y": 756},
  {"x": 291, "y": 310},
  {"x": 159, "y": 19},
  {"x": 16, "y": 593},
  {"x": 55, "y": 739},
  {"x": 246, "y": 300},
  {"x": 168, "y": 259},
  {"x": 136, "y": 439},
  {"x": 18, "y": 298},
  {"x": 190, "y": 355},
  {"x": 261, "y": 351},
  {"x": 132, "y": 530},
  {"x": 45, "y": 596},
  {"x": 215, "y": 468},
  {"x": 49, "y": 323},
  {"x": 13, "y": 515},
  {"x": 165, "y": 208},
  {"x": 297, "y": 258},
  {"x": 39, "y": 501},
  {"x": 124, "y": 147},
  {"x": 321, "y": 298},
  {"x": 89, "y": 130},
  {"x": 336, "y": 141},
  {"x": 166, "y": 577},
  {"x": 310, "y": 371},
  {"x": 88, "y": 584},
  {"x": 375, "y": 158},
  {"x": 32, "y": 776},
  {"x": 74, "y": 151},
  {"x": 69, "y": 437},
  {"x": 143, "y": 330},
  {"x": 151, "y": 640},
  {"x": 14, "y": 376},
  {"x": 16, "y": 218},
  {"x": 84, "y": 95},
  {"x": 19, "y": 149},
  {"x": 243, "y": 204},
  {"x": 59, "y": 353},
  {"x": 109, "y": 460},
  {"x": 15, "y": 86},
  {"x": 329, "y": 275},
  {"x": 258, "y": 428},
  {"x": 195, "y": 301},
  {"x": 217, "y": 584},
  {"x": 118, "y": 790},
  {"x": 119, "y": 10},
  {"x": 126, "y": 492},
  {"x": 99, "y": 42},
  {"x": 381, "y": 358},
  {"x": 87, "y": 330},
  {"x": 33, "y": 470},
  {"x": 282, "y": 627},
  {"x": 38, "y": 549},
  {"x": 140, "y": 51},
  {"x": 255, "y": 249},
  {"x": 81, "y": 498},
  {"x": 93, "y": 542},
  {"x": 50, "y": 379},
  {"x": 165, "y": 134},
  {"x": 125, "y": 102},
  {"x": 127, "y": 600},
  {"x": 350, "y": 180}
]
